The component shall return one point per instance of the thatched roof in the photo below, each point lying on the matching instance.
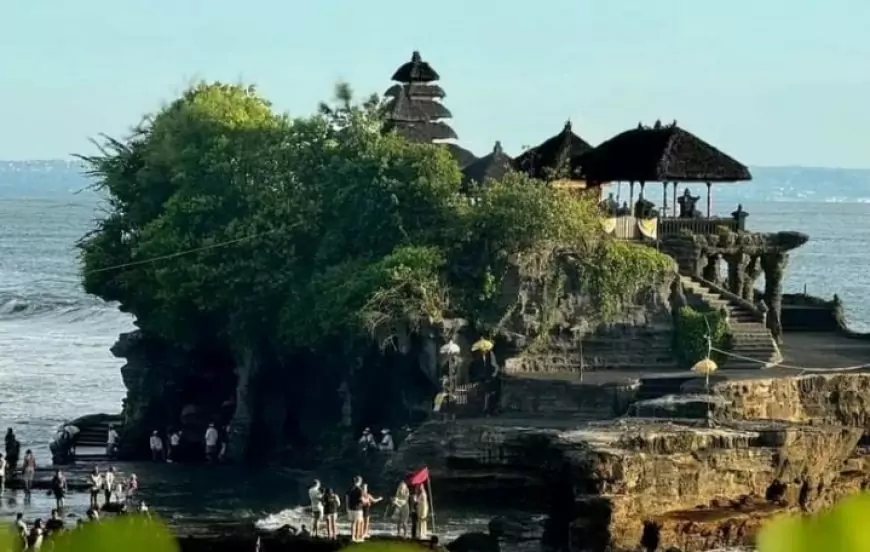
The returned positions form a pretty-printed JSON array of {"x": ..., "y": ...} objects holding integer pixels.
[
  {"x": 422, "y": 131},
  {"x": 462, "y": 155},
  {"x": 660, "y": 154},
  {"x": 493, "y": 166},
  {"x": 415, "y": 70},
  {"x": 415, "y": 90},
  {"x": 553, "y": 157},
  {"x": 403, "y": 108}
]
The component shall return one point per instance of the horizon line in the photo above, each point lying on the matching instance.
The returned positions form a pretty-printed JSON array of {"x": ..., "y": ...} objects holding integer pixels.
[{"x": 751, "y": 166}]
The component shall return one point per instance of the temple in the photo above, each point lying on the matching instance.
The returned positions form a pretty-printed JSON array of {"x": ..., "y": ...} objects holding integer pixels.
[{"x": 415, "y": 111}]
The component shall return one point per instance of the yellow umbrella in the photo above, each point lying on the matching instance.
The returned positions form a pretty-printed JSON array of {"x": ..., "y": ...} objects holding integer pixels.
[
  {"x": 483, "y": 345},
  {"x": 705, "y": 366}
]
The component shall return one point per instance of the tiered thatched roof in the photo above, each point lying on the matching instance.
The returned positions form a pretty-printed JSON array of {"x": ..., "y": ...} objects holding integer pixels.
[
  {"x": 660, "y": 154},
  {"x": 493, "y": 166},
  {"x": 554, "y": 158},
  {"x": 415, "y": 111}
]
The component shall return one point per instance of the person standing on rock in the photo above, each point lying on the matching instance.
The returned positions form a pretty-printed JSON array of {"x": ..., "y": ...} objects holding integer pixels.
[
  {"x": 401, "y": 509},
  {"x": 315, "y": 496},
  {"x": 386, "y": 444},
  {"x": 96, "y": 483},
  {"x": 156, "y": 445},
  {"x": 13, "y": 448},
  {"x": 109, "y": 484},
  {"x": 174, "y": 443},
  {"x": 58, "y": 488},
  {"x": 354, "y": 500},
  {"x": 3, "y": 468},
  {"x": 422, "y": 512},
  {"x": 212, "y": 438},
  {"x": 368, "y": 500},
  {"x": 331, "y": 505},
  {"x": 29, "y": 470}
]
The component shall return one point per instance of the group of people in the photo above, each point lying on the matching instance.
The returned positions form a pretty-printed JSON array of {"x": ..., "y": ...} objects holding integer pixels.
[
  {"x": 367, "y": 441},
  {"x": 113, "y": 488},
  {"x": 410, "y": 509},
  {"x": 178, "y": 448}
]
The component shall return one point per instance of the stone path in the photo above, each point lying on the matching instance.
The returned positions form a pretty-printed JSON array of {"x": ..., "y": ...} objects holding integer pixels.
[{"x": 751, "y": 338}]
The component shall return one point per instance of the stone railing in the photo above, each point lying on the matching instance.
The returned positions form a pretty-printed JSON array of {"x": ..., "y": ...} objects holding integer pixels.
[{"x": 670, "y": 226}]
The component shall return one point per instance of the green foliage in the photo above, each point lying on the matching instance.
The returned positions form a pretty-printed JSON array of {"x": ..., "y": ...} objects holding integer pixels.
[
  {"x": 844, "y": 528},
  {"x": 692, "y": 329},
  {"x": 129, "y": 533},
  {"x": 293, "y": 233}
]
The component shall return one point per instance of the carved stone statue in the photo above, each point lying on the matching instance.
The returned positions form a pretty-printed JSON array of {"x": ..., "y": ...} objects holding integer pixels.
[
  {"x": 609, "y": 206},
  {"x": 687, "y": 205},
  {"x": 645, "y": 209}
]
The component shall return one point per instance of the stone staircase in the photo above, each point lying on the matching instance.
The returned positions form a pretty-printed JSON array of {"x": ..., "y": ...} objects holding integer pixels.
[{"x": 750, "y": 336}]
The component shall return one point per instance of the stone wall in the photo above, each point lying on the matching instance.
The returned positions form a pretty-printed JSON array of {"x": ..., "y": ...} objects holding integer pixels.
[{"x": 564, "y": 397}]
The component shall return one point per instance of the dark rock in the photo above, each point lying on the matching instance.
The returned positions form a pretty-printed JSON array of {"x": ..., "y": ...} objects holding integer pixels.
[{"x": 474, "y": 542}]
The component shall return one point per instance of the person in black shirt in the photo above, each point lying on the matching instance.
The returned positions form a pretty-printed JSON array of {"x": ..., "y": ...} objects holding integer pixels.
[
  {"x": 354, "y": 500},
  {"x": 54, "y": 524},
  {"x": 331, "y": 504}
]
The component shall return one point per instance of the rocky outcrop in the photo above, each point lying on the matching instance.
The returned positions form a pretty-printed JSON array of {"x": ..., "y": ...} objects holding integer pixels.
[
  {"x": 842, "y": 399},
  {"x": 616, "y": 483}
]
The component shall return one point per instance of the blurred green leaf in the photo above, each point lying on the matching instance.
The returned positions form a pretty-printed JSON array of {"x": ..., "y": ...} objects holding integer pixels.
[
  {"x": 128, "y": 534},
  {"x": 844, "y": 528}
]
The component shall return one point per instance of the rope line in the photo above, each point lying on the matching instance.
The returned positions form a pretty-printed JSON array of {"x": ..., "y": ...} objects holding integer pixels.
[{"x": 803, "y": 369}]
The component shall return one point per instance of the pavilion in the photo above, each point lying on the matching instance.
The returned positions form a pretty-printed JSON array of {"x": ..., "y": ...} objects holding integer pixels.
[
  {"x": 553, "y": 160},
  {"x": 666, "y": 154},
  {"x": 493, "y": 166}
]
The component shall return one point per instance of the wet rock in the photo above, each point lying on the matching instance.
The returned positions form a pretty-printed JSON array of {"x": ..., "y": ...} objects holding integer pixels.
[
  {"x": 474, "y": 542},
  {"x": 515, "y": 528}
]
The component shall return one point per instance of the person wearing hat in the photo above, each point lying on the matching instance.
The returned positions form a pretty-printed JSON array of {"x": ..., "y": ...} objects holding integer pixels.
[
  {"x": 366, "y": 441},
  {"x": 386, "y": 444}
]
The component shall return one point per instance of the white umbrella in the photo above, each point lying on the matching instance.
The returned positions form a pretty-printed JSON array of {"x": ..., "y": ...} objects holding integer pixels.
[{"x": 450, "y": 348}]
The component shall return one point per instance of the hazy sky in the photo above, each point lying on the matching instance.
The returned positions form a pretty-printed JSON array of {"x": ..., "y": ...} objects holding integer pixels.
[{"x": 770, "y": 82}]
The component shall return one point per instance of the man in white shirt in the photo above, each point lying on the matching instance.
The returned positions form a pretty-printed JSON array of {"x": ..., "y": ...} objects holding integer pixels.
[
  {"x": 3, "y": 467},
  {"x": 174, "y": 443},
  {"x": 211, "y": 443},
  {"x": 109, "y": 484},
  {"x": 315, "y": 495},
  {"x": 366, "y": 441},
  {"x": 386, "y": 444},
  {"x": 111, "y": 441},
  {"x": 156, "y": 444}
]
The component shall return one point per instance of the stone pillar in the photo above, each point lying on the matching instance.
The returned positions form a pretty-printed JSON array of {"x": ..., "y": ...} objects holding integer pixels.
[
  {"x": 665, "y": 199},
  {"x": 711, "y": 269},
  {"x": 674, "y": 209},
  {"x": 631, "y": 197},
  {"x": 737, "y": 263},
  {"x": 774, "y": 264},
  {"x": 753, "y": 271},
  {"x": 709, "y": 200}
]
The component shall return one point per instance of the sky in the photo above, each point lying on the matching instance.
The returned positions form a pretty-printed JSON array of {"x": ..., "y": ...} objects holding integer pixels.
[{"x": 769, "y": 82}]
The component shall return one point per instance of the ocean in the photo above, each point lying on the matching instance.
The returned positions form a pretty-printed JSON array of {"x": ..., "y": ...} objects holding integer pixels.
[{"x": 55, "y": 362}]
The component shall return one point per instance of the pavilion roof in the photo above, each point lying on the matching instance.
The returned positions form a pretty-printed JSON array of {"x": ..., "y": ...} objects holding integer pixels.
[
  {"x": 554, "y": 154},
  {"x": 492, "y": 166},
  {"x": 462, "y": 155},
  {"x": 404, "y": 108},
  {"x": 415, "y": 90},
  {"x": 421, "y": 131},
  {"x": 660, "y": 154},
  {"x": 415, "y": 71}
]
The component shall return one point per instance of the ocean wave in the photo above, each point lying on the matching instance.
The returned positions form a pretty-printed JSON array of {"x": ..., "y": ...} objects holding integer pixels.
[{"x": 73, "y": 308}]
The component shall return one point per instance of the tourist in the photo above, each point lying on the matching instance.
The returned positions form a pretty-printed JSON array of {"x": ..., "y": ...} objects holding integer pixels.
[
  {"x": 21, "y": 528},
  {"x": 93, "y": 515},
  {"x": 211, "y": 443},
  {"x": 3, "y": 468},
  {"x": 401, "y": 509},
  {"x": 29, "y": 470},
  {"x": 58, "y": 488},
  {"x": 331, "y": 505},
  {"x": 421, "y": 498},
  {"x": 368, "y": 500},
  {"x": 366, "y": 441},
  {"x": 13, "y": 447},
  {"x": 54, "y": 524},
  {"x": 109, "y": 484},
  {"x": 414, "y": 515},
  {"x": 111, "y": 441},
  {"x": 354, "y": 501},
  {"x": 174, "y": 444},
  {"x": 96, "y": 483},
  {"x": 132, "y": 488},
  {"x": 118, "y": 495},
  {"x": 156, "y": 445},
  {"x": 34, "y": 539},
  {"x": 315, "y": 496},
  {"x": 386, "y": 444},
  {"x": 225, "y": 443}
]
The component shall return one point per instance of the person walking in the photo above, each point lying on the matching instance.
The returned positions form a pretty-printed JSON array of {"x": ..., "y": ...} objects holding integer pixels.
[
  {"x": 156, "y": 445},
  {"x": 96, "y": 484},
  {"x": 331, "y": 505},
  {"x": 401, "y": 509},
  {"x": 354, "y": 501},
  {"x": 58, "y": 488},
  {"x": 315, "y": 496},
  {"x": 211, "y": 443},
  {"x": 368, "y": 500},
  {"x": 29, "y": 470}
]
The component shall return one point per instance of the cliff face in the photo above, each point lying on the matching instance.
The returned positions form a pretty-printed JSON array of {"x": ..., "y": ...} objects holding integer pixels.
[{"x": 298, "y": 402}]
